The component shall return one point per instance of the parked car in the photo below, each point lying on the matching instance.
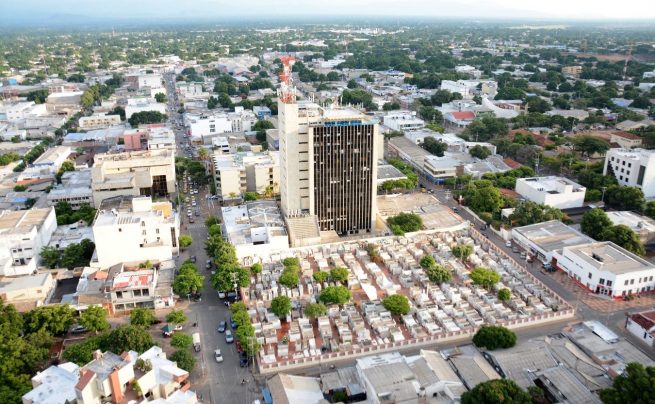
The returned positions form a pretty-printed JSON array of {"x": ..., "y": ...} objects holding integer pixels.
[
  {"x": 193, "y": 259},
  {"x": 218, "y": 356},
  {"x": 243, "y": 360},
  {"x": 222, "y": 326},
  {"x": 178, "y": 327},
  {"x": 229, "y": 338},
  {"x": 508, "y": 244},
  {"x": 78, "y": 329},
  {"x": 196, "y": 297},
  {"x": 233, "y": 323},
  {"x": 221, "y": 295}
]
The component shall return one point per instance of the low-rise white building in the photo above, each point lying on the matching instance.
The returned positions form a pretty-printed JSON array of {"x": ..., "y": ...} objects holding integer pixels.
[
  {"x": 544, "y": 240},
  {"x": 75, "y": 189},
  {"x": 55, "y": 384},
  {"x": 97, "y": 121},
  {"x": 644, "y": 226},
  {"x": 23, "y": 234},
  {"x": 557, "y": 192},
  {"x": 607, "y": 269},
  {"x": 53, "y": 157},
  {"x": 135, "y": 105},
  {"x": 642, "y": 326},
  {"x": 403, "y": 120},
  {"x": 27, "y": 289},
  {"x": 20, "y": 110},
  {"x": 632, "y": 167},
  {"x": 135, "y": 230},
  {"x": 256, "y": 230}
]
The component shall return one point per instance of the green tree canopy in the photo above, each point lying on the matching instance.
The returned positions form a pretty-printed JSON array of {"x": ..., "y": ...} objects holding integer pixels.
[
  {"x": 145, "y": 117},
  {"x": 484, "y": 277},
  {"x": 188, "y": 280},
  {"x": 320, "y": 276},
  {"x": 141, "y": 316},
  {"x": 635, "y": 385},
  {"x": 493, "y": 337},
  {"x": 314, "y": 310},
  {"x": 396, "y": 304},
  {"x": 480, "y": 152},
  {"x": 497, "y": 391},
  {"x": 463, "y": 251},
  {"x": 434, "y": 146},
  {"x": 281, "y": 306},
  {"x": 94, "y": 318},
  {"x": 181, "y": 340},
  {"x": 594, "y": 222},
  {"x": 625, "y": 237},
  {"x": 335, "y": 295},
  {"x": 529, "y": 212},
  {"x": 176, "y": 317},
  {"x": 129, "y": 338},
  {"x": 54, "y": 319},
  {"x": 184, "y": 359},
  {"x": 185, "y": 240},
  {"x": 439, "y": 274},
  {"x": 404, "y": 223},
  {"x": 160, "y": 97},
  {"x": 339, "y": 274},
  {"x": 625, "y": 198},
  {"x": 504, "y": 294}
]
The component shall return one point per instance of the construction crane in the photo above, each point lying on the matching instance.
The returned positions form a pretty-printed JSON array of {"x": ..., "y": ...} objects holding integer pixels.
[{"x": 628, "y": 56}]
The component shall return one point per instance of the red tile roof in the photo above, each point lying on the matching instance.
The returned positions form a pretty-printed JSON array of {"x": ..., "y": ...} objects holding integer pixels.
[
  {"x": 512, "y": 163},
  {"x": 85, "y": 377},
  {"x": 644, "y": 320},
  {"x": 463, "y": 115},
  {"x": 626, "y": 135}
]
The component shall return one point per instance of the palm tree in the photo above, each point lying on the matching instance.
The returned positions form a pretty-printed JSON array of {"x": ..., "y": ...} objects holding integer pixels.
[{"x": 203, "y": 153}]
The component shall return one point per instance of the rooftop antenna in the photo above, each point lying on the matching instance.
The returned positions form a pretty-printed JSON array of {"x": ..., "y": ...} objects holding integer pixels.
[{"x": 287, "y": 93}]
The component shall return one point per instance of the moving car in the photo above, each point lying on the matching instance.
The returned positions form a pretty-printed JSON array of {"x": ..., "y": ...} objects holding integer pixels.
[
  {"x": 229, "y": 337},
  {"x": 222, "y": 326},
  {"x": 218, "y": 356}
]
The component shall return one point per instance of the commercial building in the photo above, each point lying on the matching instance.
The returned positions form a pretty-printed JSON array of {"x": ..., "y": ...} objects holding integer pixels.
[
  {"x": 289, "y": 389},
  {"x": 607, "y": 269},
  {"x": 149, "y": 137},
  {"x": 402, "y": 121},
  {"x": 75, "y": 189},
  {"x": 142, "y": 80},
  {"x": 626, "y": 140},
  {"x": 135, "y": 105},
  {"x": 22, "y": 236},
  {"x": 53, "y": 157},
  {"x": 328, "y": 165},
  {"x": 632, "y": 167},
  {"x": 204, "y": 126},
  {"x": 572, "y": 70},
  {"x": 441, "y": 168},
  {"x": 97, "y": 121},
  {"x": 557, "y": 192},
  {"x": 134, "y": 230},
  {"x": 256, "y": 229},
  {"x": 147, "y": 173},
  {"x": 544, "y": 240},
  {"x": 20, "y": 110},
  {"x": 235, "y": 174},
  {"x": 127, "y": 290}
]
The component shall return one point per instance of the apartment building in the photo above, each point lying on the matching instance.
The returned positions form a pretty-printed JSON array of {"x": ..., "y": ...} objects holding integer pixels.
[
  {"x": 203, "y": 127},
  {"x": 53, "y": 157},
  {"x": 23, "y": 234},
  {"x": 572, "y": 70},
  {"x": 557, "y": 192},
  {"x": 328, "y": 165},
  {"x": 149, "y": 137},
  {"x": 146, "y": 173},
  {"x": 607, "y": 269},
  {"x": 13, "y": 112},
  {"x": 134, "y": 230},
  {"x": 127, "y": 290},
  {"x": 241, "y": 172},
  {"x": 632, "y": 167},
  {"x": 98, "y": 121},
  {"x": 75, "y": 189}
]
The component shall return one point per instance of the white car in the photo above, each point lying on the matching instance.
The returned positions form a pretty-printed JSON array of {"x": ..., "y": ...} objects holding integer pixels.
[
  {"x": 508, "y": 244},
  {"x": 178, "y": 327},
  {"x": 218, "y": 356}
]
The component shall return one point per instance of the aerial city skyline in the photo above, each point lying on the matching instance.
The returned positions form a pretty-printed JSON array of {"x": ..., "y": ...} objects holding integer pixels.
[{"x": 447, "y": 201}]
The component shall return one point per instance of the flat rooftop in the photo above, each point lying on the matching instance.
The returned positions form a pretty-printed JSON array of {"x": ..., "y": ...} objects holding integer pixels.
[
  {"x": 634, "y": 221},
  {"x": 133, "y": 279},
  {"x": 550, "y": 184},
  {"x": 388, "y": 172},
  {"x": 607, "y": 256},
  {"x": 23, "y": 282},
  {"x": 553, "y": 235},
  {"x": 241, "y": 222},
  {"x": 53, "y": 154},
  {"x": 433, "y": 214},
  {"x": 20, "y": 221}
]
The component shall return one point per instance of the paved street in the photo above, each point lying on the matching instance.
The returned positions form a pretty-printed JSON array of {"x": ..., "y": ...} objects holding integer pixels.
[{"x": 215, "y": 382}]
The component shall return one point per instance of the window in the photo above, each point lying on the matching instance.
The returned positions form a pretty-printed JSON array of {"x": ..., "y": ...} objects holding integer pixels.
[
  {"x": 626, "y": 283},
  {"x": 143, "y": 233},
  {"x": 589, "y": 275},
  {"x": 157, "y": 231},
  {"x": 632, "y": 281},
  {"x": 119, "y": 295},
  {"x": 650, "y": 279},
  {"x": 145, "y": 292},
  {"x": 143, "y": 224},
  {"x": 601, "y": 281},
  {"x": 609, "y": 283}
]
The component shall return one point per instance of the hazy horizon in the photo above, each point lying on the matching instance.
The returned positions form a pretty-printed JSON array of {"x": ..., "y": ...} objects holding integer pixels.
[{"x": 61, "y": 12}]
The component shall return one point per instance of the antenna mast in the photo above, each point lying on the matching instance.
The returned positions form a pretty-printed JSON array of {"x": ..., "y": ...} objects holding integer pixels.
[{"x": 287, "y": 92}]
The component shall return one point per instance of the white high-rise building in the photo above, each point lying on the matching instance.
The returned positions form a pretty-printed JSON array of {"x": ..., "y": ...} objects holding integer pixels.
[{"x": 632, "y": 167}]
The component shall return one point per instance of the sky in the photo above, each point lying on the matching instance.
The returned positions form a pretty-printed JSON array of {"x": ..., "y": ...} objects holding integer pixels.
[{"x": 44, "y": 10}]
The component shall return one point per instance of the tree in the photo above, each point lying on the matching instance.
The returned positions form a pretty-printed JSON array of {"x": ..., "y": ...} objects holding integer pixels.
[
  {"x": 625, "y": 237},
  {"x": 635, "y": 385},
  {"x": 436, "y": 147},
  {"x": 438, "y": 274},
  {"x": 160, "y": 97},
  {"x": 176, "y": 317},
  {"x": 484, "y": 277},
  {"x": 649, "y": 209},
  {"x": 181, "y": 340},
  {"x": 145, "y": 117},
  {"x": 497, "y": 391},
  {"x": 594, "y": 222},
  {"x": 289, "y": 277},
  {"x": 94, "y": 318},
  {"x": 531, "y": 212},
  {"x": 185, "y": 241},
  {"x": 390, "y": 106},
  {"x": 315, "y": 310},
  {"x": 129, "y": 338},
  {"x": 142, "y": 317},
  {"x": 184, "y": 360},
  {"x": 339, "y": 274},
  {"x": 50, "y": 257},
  {"x": 482, "y": 196},
  {"x": 427, "y": 262},
  {"x": 625, "y": 198},
  {"x": 396, "y": 304},
  {"x": 320, "y": 276},
  {"x": 188, "y": 280},
  {"x": 504, "y": 294},
  {"x": 405, "y": 222},
  {"x": 211, "y": 221},
  {"x": 256, "y": 268},
  {"x": 480, "y": 152},
  {"x": 335, "y": 295},
  {"x": 352, "y": 84},
  {"x": 82, "y": 353},
  {"x": 589, "y": 145},
  {"x": 462, "y": 251},
  {"x": 281, "y": 306},
  {"x": 54, "y": 319},
  {"x": 66, "y": 166},
  {"x": 538, "y": 104},
  {"x": 493, "y": 337},
  {"x": 20, "y": 188},
  {"x": 250, "y": 196}
]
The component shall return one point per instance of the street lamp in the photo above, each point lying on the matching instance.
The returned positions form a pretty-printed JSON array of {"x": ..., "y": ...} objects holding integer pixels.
[{"x": 602, "y": 199}]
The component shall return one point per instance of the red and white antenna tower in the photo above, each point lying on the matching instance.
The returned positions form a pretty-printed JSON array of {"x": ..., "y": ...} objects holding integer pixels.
[{"x": 287, "y": 91}]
